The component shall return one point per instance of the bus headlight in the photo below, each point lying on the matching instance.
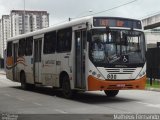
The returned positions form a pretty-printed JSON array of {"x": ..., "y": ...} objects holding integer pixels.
[
  {"x": 94, "y": 73},
  {"x": 142, "y": 73},
  {"x": 98, "y": 75}
]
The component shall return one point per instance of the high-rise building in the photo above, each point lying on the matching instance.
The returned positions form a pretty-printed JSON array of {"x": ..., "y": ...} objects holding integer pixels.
[
  {"x": 28, "y": 21},
  {"x": 4, "y": 32},
  {"x": 0, "y": 38},
  {"x": 20, "y": 22}
]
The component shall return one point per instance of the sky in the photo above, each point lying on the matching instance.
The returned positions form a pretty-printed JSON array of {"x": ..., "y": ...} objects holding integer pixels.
[{"x": 61, "y": 10}]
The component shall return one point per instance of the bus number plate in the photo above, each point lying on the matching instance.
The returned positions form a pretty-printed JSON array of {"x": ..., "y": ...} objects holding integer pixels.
[{"x": 111, "y": 76}]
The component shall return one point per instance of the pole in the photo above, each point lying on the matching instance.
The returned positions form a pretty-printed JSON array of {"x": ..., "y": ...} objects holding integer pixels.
[{"x": 24, "y": 18}]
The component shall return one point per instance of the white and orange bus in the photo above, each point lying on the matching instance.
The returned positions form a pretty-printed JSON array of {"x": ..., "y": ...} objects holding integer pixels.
[{"x": 86, "y": 54}]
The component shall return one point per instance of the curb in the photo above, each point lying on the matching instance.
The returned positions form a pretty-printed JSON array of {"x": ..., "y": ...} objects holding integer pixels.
[
  {"x": 153, "y": 89},
  {"x": 2, "y": 73}
]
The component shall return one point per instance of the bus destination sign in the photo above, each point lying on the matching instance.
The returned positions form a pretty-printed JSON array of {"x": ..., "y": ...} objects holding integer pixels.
[{"x": 117, "y": 22}]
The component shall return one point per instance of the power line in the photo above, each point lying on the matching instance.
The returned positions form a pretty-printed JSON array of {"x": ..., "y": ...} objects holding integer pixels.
[
  {"x": 113, "y": 8},
  {"x": 103, "y": 10}
]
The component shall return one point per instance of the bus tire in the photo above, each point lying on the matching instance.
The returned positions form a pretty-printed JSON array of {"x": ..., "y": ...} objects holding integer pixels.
[
  {"x": 111, "y": 93},
  {"x": 66, "y": 88},
  {"x": 24, "y": 85},
  {"x": 23, "y": 80}
]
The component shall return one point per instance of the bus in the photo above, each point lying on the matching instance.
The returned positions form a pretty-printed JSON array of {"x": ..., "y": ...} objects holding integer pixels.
[{"x": 86, "y": 54}]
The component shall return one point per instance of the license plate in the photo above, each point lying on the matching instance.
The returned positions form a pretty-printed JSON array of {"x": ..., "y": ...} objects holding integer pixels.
[{"x": 121, "y": 85}]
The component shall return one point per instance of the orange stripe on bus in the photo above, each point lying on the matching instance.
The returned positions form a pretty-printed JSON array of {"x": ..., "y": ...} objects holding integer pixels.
[
  {"x": 97, "y": 84},
  {"x": 20, "y": 58},
  {"x": 21, "y": 62}
]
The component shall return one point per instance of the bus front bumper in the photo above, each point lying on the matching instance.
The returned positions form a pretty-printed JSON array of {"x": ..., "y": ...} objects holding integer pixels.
[{"x": 98, "y": 84}]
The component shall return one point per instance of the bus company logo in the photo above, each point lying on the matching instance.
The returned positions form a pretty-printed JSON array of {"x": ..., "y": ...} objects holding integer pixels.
[
  {"x": 50, "y": 62},
  {"x": 120, "y": 66}
]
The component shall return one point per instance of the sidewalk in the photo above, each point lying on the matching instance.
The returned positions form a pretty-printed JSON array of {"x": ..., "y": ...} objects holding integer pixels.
[
  {"x": 2, "y": 72},
  {"x": 153, "y": 89},
  {"x": 155, "y": 85}
]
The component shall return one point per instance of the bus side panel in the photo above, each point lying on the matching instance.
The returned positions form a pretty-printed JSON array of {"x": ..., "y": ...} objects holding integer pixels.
[
  {"x": 28, "y": 63},
  {"x": 21, "y": 62},
  {"x": 9, "y": 67},
  {"x": 63, "y": 64},
  {"x": 49, "y": 69}
]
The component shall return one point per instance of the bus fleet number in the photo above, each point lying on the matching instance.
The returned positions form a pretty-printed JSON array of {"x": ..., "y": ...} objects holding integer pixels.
[{"x": 111, "y": 76}]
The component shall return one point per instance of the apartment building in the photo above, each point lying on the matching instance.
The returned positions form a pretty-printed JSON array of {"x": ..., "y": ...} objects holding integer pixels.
[
  {"x": 4, "y": 32},
  {"x": 20, "y": 22},
  {"x": 28, "y": 21}
]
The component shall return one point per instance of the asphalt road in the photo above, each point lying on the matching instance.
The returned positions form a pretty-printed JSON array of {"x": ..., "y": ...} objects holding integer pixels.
[{"x": 46, "y": 101}]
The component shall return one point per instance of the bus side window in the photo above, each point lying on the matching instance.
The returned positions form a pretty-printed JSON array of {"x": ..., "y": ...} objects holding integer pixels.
[
  {"x": 29, "y": 46},
  {"x": 9, "y": 49},
  {"x": 21, "y": 49},
  {"x": 49, "y": 43},
  {"x": 64, "y": 40}
]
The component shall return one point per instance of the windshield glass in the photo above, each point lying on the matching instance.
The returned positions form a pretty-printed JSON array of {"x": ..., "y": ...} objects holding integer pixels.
[{"x": 117, "y": 47}]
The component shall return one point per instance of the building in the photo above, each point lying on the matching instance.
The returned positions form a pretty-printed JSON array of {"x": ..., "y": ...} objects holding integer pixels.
[
  {"x": 151, "y": 22},
  {"x": 0, "y": 38},
  {"x": 20, "y": 22},
  {"x": 33, "y": 20},
  {"x": 152, "y": 30},
  {"x": 4, "y": 32},
  {"x": 152, "y": 38}
]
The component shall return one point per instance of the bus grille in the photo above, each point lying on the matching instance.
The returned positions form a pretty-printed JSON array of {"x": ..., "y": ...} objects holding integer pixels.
[{"x": 120, "y": 70}]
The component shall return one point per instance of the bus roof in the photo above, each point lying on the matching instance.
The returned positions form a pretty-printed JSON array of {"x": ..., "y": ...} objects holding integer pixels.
[
  {"x": 49, "y": 29},
  {"x": 61, "y": 26}
]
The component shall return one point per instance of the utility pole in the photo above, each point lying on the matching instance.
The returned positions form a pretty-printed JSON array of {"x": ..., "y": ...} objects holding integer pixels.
[{"x": 24, "y": 18}]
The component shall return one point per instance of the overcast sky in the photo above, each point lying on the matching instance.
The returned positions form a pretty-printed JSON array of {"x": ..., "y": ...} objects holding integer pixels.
[{"x": 60, "y": 10}]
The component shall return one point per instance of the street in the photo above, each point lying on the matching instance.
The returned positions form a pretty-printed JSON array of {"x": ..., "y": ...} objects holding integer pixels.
[{"x": 44, "y": 101}]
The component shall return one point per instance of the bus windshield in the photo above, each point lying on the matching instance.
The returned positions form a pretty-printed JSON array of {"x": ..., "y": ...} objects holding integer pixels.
[{"x": 117, "y": 48}]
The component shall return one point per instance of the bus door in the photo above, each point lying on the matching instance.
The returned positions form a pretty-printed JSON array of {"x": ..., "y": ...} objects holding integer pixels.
[
  {"x": 37, "y": 60},
  {"x": 15, "y": 51},
  {"x": 80, "y": 47}
]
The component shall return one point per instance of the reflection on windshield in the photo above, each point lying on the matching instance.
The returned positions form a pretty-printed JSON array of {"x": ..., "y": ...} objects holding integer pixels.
[{"x": 118, "y": 46}]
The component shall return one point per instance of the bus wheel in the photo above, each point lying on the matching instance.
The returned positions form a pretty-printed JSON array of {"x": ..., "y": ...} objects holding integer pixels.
[
  {"x": 66, "y": 88},
  {"x": 111, "y": 93},
  {"x": 23, "y": 81},
  {"x": 25, "y": 85}
]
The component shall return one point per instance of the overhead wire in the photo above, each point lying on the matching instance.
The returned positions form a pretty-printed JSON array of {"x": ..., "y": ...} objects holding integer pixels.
[
  {"x": 112, "y": 8},
  {"x": 124, "y": 4}
]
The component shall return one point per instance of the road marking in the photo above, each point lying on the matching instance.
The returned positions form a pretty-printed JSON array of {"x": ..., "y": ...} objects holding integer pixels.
[
  {"x": 38, "y": 104},
  {"x": 150, "y": 105},
  {"x": 8, "y": 95},
  {"x": 61, "y": 111}
]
